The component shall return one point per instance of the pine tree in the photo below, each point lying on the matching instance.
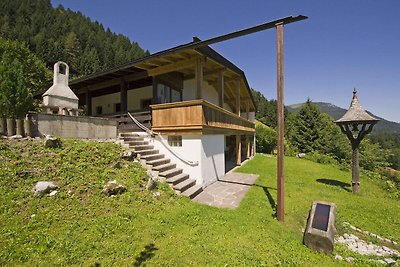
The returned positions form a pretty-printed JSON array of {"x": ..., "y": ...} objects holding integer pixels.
[{"x": 307, "y": 128}]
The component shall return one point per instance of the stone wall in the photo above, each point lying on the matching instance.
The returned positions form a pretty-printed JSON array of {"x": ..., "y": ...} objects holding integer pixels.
[{"x": 79, "y": 127}]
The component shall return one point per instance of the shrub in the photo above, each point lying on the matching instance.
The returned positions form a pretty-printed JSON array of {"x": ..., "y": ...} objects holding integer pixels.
[{"x": 265, "y": 138}]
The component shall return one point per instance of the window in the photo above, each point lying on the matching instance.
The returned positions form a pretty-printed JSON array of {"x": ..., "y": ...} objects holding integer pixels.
[
  {"x": 175, "y": 140},
  {"x": 99, "y": 110}
]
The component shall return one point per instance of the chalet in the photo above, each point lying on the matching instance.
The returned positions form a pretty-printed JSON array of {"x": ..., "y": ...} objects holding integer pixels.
[{"x": 198, "y": 102}]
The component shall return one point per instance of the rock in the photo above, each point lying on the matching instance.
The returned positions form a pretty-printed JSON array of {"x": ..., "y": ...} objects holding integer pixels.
[
  {"x": 156, "y": 194},
  {"x": 43, "y": 187},
  {"x": 116, "y": 165},
  {"x": 338, "y": 257},
  {"x": 301, "y": 155},
  {"x": 17, "y": 136},
  {"x": 151, "y": 184},
  {"x": 153, "y": 177},
  {"x": 52, "y": 142},
  {"x": 128, "y": 155},
  {"x": 53, "y": 193},
  {"x": 113, "y": 188},
  {"x": 349, "y": 259},
  {"x": 389, "y": 260}
]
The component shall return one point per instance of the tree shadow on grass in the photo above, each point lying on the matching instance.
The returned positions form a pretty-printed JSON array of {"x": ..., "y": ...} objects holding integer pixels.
[
  {"x": 344, "y": 186},
  {"x": 145, "y": 255}
]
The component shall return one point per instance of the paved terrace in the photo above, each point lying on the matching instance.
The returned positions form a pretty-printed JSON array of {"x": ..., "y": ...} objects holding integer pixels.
[{"x": 228, "y": 191}]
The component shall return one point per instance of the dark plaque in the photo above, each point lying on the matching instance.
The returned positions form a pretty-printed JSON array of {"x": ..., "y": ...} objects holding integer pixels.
[
  {"x": 320, "y": 232},
  {"x": 321, "y": 217}
]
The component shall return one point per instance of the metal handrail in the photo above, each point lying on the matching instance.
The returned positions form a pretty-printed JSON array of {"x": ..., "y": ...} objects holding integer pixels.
[{"x": 153, "y": 134}]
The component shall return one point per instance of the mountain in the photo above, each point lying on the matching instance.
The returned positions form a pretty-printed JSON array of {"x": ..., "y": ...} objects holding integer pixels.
[{"x": 336, "y": 112}]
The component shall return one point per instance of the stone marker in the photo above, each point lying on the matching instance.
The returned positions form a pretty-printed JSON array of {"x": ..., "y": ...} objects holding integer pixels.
[{"x": 320, "y": 231}]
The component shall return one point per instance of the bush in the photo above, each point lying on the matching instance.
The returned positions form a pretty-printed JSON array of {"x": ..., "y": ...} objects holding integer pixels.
[{"x": 265, "y": 138}]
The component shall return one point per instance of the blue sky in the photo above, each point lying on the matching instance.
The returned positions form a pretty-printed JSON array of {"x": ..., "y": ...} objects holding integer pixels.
[{"x": 343, "y": 44}]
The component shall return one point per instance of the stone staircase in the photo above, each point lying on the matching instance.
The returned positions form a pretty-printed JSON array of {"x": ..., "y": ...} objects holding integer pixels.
[{"x": 180, "y": 182}]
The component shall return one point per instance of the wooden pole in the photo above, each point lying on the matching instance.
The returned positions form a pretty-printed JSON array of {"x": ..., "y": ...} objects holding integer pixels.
[
  {"x": 355, "y": 183},
  {"x": 280, "y": 213}
]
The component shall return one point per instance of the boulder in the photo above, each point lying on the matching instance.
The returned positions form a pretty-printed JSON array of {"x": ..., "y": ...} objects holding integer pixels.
[
  {"x": 43, "y": 187},
  {"x": 301, "y": 155},
  {"x": 113, "y": 188},
  {"x": 52, "y": 142},
  {"x": 152, "y": 182},
  {"x": 116, "y": 165},
  {"x": 129, "y": 155}
]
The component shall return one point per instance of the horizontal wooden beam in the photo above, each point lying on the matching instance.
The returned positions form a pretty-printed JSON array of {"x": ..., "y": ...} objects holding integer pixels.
[{"x": 128, "y": 78}]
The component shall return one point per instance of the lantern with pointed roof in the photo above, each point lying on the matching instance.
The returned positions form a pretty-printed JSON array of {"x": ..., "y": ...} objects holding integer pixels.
[{"x": 356, "y": 124}]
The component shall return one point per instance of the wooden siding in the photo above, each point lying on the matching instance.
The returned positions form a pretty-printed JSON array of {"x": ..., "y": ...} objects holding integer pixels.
[{"x": 197, "y": 117}]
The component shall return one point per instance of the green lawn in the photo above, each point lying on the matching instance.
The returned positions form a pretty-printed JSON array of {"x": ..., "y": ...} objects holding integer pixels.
[{"x": 84, "y": 227}]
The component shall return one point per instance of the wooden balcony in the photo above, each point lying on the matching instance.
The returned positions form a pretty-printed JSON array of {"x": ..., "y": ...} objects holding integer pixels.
[{"x": 197, "y": 117}]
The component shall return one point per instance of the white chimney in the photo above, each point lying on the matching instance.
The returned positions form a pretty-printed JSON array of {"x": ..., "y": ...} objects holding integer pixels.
[{"x": 60, "y": 98}]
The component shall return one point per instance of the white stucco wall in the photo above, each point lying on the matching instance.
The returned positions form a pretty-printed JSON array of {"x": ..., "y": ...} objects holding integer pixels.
[
  {"x": 207, "y": 150},
  {"x": 190, "y": 150},
  {"x": 107, "y": 102},
  {"x": 252, "y": 116},
  {"x": 135, "y": 97},
  {"x": 209, "y": 92},
  {"x": 212, "y": 158}
]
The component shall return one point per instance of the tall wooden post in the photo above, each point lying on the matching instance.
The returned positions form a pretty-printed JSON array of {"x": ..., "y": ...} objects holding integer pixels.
[
  {"x": 237, "y": 106},
  {"x": 280, "y": 213},
  {"x": 355, "y": 173},
  {"x": 124, "y": 96},
  {"x": 221, "y": 89},
  {"x": 238, "y": 150},
  {"x": 199, "y": 78},
  {"x": 88, "y": 103},
  {"x": 155, "y": 91}
]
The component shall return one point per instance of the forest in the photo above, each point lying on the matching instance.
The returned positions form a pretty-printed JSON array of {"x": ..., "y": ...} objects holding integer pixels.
[{"x": 55, "y": 34}]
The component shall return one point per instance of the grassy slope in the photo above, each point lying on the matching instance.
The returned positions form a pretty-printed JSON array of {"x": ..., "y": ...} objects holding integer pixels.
[{"x": 134, "y": 228}]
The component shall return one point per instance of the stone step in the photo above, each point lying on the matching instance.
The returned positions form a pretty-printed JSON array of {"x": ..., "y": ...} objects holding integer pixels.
[
  {"x": 177, "y": 178},
  {"x": 147, "y": 152},
  {"x": 182, "y": 186},
  {"x": 192, "y": 191},
  {"x": 129, "y": 135},
  {"x": 142, "y": 147},
  {"x": 170, "y": 173},
  {"x": 158, "y": 162},
  {"x": 164, "y": 167},
  {"x": 152, "y": 157},
  {"x": 137, "y": 142}
]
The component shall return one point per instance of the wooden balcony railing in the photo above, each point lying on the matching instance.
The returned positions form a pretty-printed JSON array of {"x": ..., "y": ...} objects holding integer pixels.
[{"x": 197, "y": 117}]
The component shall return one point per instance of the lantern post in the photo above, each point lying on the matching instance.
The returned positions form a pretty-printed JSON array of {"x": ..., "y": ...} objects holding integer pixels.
[{"x": 356, "y": 124}]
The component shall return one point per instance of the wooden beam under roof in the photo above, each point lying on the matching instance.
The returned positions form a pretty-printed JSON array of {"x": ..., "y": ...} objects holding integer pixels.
[{"x": 172, "y": 67}]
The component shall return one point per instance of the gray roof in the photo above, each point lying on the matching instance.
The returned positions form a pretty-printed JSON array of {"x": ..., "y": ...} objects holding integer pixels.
[{"x": 356, "y": 113}]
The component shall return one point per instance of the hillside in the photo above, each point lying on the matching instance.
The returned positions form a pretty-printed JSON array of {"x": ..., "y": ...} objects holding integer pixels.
[
  {"x": 83, "y": 227},
  {"x": 336, "y": 112},
  {"x": 55, "y": 34}
]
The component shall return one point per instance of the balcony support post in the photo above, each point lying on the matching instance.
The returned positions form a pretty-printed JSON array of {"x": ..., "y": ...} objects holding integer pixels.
[
  {"x": 199, "y": 78},
  {"x": 238, "y": 150},
  {"x": 238, "y": 97}
]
